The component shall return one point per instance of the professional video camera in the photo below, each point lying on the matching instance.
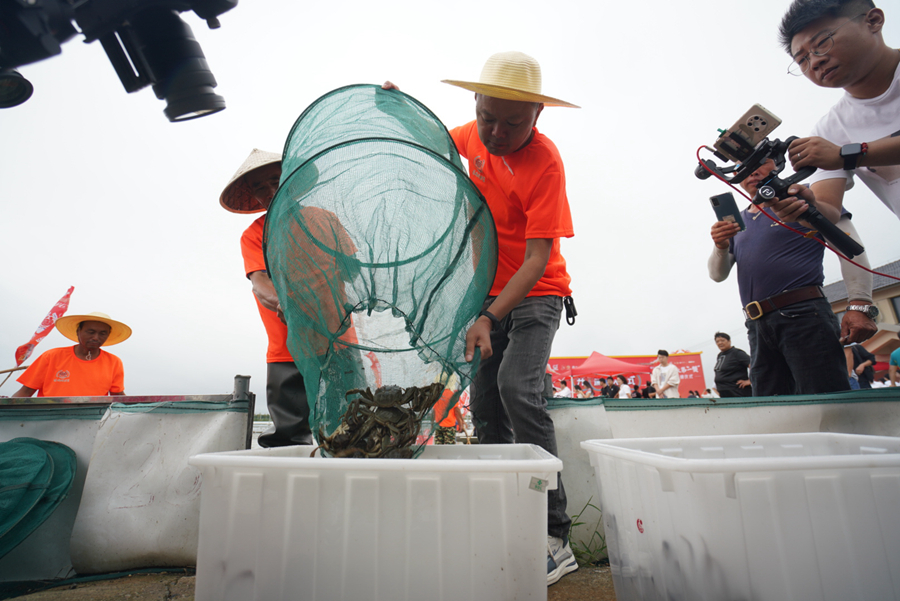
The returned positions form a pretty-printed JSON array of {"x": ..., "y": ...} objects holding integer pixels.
[
  {"x": 146, "y": 41},
  {"x": 746, "y": 145}
]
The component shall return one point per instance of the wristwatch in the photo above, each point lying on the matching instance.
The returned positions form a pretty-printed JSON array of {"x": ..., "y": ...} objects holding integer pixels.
[
  {"x": 495, "y": 323},
  {"x": 852, "y": 154},
  {"x": 871, "y": 311}
]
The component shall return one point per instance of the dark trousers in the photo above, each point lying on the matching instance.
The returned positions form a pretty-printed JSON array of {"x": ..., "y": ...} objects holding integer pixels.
[
  {"x": 733, "y": 390},
  {"x": 508, "y": 404},
  {"x": 797, "y": 350},
  {"x": 286, "y": 398}
]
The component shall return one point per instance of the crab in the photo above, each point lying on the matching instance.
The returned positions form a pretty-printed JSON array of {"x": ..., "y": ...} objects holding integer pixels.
[{"x": 381, "y": 424}]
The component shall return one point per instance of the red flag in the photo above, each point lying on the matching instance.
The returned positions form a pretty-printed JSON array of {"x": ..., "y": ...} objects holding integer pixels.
[{"x": 58, "y": 310}]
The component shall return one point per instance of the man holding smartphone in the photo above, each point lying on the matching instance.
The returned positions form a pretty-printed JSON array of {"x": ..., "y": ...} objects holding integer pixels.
[{"x": 794, "y": 338}]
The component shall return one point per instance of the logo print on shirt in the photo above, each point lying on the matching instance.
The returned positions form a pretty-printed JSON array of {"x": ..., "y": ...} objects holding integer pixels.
[
  {"x": 479, "y": 165},
  {"x": 62, "y": 376}
]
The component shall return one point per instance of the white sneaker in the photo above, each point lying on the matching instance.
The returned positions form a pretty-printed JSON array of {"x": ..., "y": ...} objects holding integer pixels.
[{"x": 560, "y": 559}]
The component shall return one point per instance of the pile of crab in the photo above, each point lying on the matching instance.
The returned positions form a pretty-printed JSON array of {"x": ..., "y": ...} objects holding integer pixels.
[{"x": 384, "y": 424}]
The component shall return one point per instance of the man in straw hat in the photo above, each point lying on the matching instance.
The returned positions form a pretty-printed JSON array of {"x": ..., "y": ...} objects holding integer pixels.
[
  {"x": 520, "y": 173},
  {"x": 83, "y": 369},
  {"x": 251, "y": 190}
]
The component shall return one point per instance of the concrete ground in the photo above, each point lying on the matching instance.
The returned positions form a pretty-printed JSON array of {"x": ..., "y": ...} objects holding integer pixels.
[{"x": 587, "y": 584}]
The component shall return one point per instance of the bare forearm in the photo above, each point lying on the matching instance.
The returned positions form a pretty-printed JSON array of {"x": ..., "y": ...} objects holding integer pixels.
[
  {"x": 264, "y": 290},
  {"x": 537, "y": 254},
  {"x": 882, "y": 153},
  {"x": 24, "y": 392},
  {"x": 517, "y": 289}
]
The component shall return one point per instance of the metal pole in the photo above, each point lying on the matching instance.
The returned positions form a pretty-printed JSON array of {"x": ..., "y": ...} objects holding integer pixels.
[{"x": 242, "y": 393}]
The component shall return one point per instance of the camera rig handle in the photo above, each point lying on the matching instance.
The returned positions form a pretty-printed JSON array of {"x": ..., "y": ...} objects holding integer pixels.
[{"x": 776, "y": 188}]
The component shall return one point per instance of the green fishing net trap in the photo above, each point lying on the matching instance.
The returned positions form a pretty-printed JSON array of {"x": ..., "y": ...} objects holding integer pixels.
[{"x": 382, "y": 252}]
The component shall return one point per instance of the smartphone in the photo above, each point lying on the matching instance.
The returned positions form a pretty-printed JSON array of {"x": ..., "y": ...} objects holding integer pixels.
[
  {"x": 726, "y": 209},
  {"x": 740, "y": 139}
]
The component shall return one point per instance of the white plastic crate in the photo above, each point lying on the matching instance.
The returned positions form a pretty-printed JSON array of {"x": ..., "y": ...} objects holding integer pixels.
[
  {"x": 775, "y": 517},
  {"x": 458, "y": 522}
]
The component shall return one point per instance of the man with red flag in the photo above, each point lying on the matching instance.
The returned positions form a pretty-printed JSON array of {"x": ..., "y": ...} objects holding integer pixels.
[{"x": 83, "y": 369}]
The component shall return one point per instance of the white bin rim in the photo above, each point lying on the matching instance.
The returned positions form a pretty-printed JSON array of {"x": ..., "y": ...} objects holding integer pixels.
[
  {"x": 847, "y": 451},
  {"x": 514, "y": 458}
]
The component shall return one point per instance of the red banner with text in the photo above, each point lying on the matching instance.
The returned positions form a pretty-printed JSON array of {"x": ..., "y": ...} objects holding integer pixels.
[{"x": 689, "y": 367}]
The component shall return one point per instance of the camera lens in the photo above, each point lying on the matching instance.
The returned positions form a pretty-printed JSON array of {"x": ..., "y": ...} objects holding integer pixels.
[
  {"x": 14, "y": 89},
  {"x": 177, "y": 65}
]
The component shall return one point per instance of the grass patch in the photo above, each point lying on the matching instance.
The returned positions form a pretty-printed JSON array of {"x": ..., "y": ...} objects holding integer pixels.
[{"x": 593, "y": 550}]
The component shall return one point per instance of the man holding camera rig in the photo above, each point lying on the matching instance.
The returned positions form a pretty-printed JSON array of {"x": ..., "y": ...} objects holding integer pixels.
[
  {"x": 839, "y": 44},
  {"x": 794, "y": 339}
]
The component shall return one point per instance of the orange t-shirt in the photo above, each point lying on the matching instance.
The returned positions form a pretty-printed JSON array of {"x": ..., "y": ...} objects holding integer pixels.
[
  {"x": 311, "y": 263},
  {"x": 526, "y": 192},
  {"x": 441, "y": 406},
  {"x": 254, "y": 260},
  {"x": 60, "y": 373}
]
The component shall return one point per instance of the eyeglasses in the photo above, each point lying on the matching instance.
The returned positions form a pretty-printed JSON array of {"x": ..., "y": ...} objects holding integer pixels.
[{"x": 822, "y": 47}]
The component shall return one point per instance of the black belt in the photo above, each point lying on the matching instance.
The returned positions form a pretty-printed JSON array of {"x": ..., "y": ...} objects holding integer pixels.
[{"x": 757, "y": 309}]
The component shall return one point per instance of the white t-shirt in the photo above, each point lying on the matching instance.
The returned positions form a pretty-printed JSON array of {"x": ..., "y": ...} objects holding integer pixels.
[
  {"x": 625, "y": 391},
  {"x": 666, "y": 375},
  {"x": 856, "y": 120},
  {"x": 565, "y": 393}
]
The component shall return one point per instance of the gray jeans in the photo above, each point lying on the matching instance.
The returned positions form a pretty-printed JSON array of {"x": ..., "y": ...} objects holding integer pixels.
[{"x": 507, "y": 403}]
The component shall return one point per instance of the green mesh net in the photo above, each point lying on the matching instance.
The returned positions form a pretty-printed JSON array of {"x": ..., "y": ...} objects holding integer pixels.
[{"x": 381, "y": 251}]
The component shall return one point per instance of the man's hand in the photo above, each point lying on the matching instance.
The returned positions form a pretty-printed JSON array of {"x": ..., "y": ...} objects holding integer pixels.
[
  {"x": 723, "y": 231},
  {"x": 815, "y": 152},
  {"x": 743, "y": 383},
  {"x": 856, "y": 327},
  {"x": 389, "y": 85},
  {"x": 479, "y": 335},
  {"x": 789, "y": 209}
]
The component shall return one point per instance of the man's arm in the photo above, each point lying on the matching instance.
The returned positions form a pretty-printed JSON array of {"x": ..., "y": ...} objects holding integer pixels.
[
  {"x": 117, "y": 393},
  {"x": 892, "y": 371},
  {"x": 264, "y": 290},
  {"x": 26, "y": 392},
  {"x": 819, "y": 152},
  {"x": 537, "y": 255},
  {"x": 855, "y": 325},
  {"x": 721, "y": 261}
]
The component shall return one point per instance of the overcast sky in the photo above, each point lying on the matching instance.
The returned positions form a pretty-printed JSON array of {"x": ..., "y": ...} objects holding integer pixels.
[{"x": 98, "y": 190}]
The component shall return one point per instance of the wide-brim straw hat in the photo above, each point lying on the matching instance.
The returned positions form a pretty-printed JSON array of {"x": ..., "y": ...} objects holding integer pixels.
[
  {"x": 118, "y": 331},
  {"x": 237, "y": 196},
  {"x": 511, "y": 76}
]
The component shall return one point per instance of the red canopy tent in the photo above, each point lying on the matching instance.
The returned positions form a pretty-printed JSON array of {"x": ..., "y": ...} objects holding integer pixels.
[{"x": 602, "y": 365}]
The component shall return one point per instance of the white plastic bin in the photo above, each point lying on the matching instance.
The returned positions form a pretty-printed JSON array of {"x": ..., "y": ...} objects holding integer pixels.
[
  {"x": 775, "y": 517},
  {"x": 458, "y": 522}
]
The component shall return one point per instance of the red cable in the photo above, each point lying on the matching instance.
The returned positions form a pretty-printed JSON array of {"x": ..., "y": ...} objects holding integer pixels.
[{"x": 783, "y": 224}]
